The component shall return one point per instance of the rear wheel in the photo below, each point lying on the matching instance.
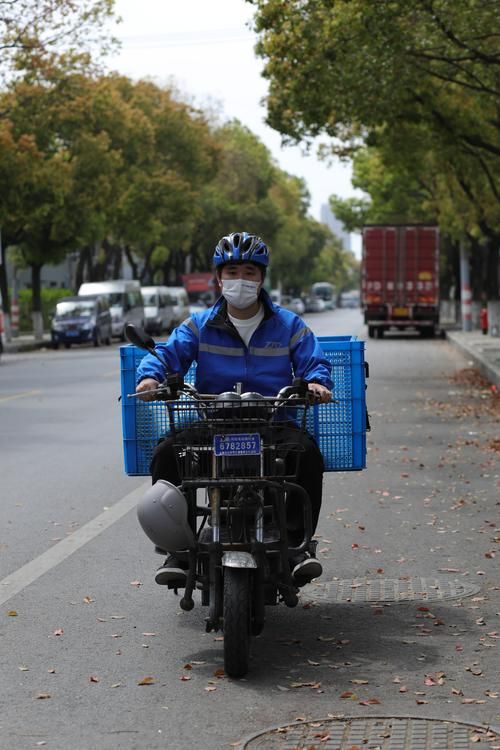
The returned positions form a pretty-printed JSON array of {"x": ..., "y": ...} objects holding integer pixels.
[
  {"x": 236, "y": 621},
  {"x": 371, "y": 331}
]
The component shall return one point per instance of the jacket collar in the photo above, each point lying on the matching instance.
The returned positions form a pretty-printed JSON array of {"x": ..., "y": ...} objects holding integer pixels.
[{"x": 219, "y": 318}]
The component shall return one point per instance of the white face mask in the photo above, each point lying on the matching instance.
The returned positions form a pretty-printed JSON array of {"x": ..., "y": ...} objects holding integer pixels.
[{"x": 240, "y": 293}]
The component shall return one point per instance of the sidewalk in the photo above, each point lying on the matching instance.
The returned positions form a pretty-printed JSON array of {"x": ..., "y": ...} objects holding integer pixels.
[
  {"x": 25, "y": 343},
  {"x": 484, "y": 351}
]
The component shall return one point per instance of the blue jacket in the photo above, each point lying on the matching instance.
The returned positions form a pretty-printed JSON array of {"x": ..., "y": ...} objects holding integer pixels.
[{"x": 281, "y": 348}]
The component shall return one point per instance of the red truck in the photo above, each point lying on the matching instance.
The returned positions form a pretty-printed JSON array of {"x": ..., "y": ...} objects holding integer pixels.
[{"x": 400, "y": 278}]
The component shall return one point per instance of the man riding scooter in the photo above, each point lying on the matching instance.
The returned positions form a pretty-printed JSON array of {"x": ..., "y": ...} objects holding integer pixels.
[{"x": 243, "y": 338}]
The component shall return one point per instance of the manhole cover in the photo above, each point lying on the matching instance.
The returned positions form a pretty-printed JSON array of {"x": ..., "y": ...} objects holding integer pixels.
[
  {"x": 358, "y": 590},
  {"x": 376, "y": 733}
]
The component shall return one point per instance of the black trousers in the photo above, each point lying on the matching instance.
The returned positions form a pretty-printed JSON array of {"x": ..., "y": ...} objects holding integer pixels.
[{"x": 309, "y": 475}]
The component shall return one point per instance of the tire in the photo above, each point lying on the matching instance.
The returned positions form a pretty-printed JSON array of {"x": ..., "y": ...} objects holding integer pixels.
[
  {"x": 67, "y": 345},
  {"x": 107, "y": 340},
  {"x": 236, "y": 621},
  {"x": 55, "y": 345},
  {"x": 380, "y": 332},
  {"x": 371, "y": 332}
]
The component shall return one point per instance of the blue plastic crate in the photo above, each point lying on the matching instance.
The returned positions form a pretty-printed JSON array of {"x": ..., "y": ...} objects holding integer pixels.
[{"x": 339, "y": 428}]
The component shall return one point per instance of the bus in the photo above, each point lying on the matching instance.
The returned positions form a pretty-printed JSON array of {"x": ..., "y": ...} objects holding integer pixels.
[{"x": 325, "y": 291}]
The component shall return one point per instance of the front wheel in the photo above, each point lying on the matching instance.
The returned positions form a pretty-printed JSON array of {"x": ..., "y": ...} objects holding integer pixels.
[{"x": 236, "y": 621}]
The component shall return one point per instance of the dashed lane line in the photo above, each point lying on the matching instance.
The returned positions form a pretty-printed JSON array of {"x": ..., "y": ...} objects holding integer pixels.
[{"x": 23, "y": 577}]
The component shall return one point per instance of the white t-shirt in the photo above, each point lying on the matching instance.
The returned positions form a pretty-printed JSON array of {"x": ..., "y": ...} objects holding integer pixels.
[{"x": 247, "y": 326}]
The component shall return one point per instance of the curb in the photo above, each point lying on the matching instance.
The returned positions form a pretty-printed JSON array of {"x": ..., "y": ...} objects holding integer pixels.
[{"x": 488, "y": 369}]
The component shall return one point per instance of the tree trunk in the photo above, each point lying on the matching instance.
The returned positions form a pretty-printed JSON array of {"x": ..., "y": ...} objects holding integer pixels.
[
  {"x": 36, "y": 313},
  {"x": 465, "y": 291},
  {"x": 4, "y": 290},
  {"x": 117, "y": 262},
  {"x": 494, "y": 318},
  {"x": 131, "y": 260},
  {"x": 4, "y": 284},
  {"x": 146, "y": 275}
]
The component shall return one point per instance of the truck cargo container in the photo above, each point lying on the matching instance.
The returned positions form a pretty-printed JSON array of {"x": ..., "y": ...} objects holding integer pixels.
[{"x": 400, "y": 278}]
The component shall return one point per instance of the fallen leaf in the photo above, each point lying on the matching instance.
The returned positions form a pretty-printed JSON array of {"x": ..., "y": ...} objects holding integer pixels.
[
  {"x": 359, "y": 682},
  {"x": 369, "y": 702},
  {"x": 24, "y": 669},
  {"x": 58, "y": 631},
  {"x": 87, "y": 600},
  {"x": 146, "y": 681},
  {"x": 185, "y": 677},
  {"x": 305, "y": 684},
  {"x": 12, "y": 613},
  {"x": 136, "y": 583},
  {"x": 219, "y": 673},
  {"x": 149, "y": 634},
  {"x": 349, "y": 695},
  {"x": 210, "y": 688},
  {"x": 43, "y": 696},
  {"x": 322, "y": 736},
  {"x": 93, "y": 678}
]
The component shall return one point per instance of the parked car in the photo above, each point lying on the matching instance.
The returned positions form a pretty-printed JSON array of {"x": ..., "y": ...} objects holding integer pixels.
[
  {"x": 294, "y": 304},
  {"x": 350, "y": 299},
  {"x": 181, "y": 304},
  {"x": 158, "y": 308},
  {"x": 79, "y": 320},
  {"x": 125, "y": 301},
  {"x": 314, "y": 304}
]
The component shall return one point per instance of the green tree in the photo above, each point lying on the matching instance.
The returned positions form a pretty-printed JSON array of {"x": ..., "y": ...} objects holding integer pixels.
[
  {"x": 35, "y": 35},
  {"x": 424, "y": 72}
]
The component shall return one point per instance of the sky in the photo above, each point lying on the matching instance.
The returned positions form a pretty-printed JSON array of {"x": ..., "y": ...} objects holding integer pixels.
[{"x": 206, "y": 50}]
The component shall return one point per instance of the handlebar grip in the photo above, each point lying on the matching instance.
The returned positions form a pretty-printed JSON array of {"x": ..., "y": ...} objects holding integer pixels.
[
  {"x": 172, "y": 384},
  {"x": 300, "y": 385}
]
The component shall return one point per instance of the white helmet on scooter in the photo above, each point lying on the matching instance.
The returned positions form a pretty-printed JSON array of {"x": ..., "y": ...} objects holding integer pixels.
[{"x": 162, "y": 513}]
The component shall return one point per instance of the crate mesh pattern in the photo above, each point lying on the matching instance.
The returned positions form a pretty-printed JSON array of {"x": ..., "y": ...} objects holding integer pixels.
[{"x": 339, "y": 428}]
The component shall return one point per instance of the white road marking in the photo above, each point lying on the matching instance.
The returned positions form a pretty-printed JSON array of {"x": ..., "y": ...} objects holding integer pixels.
[
  {"x": 23, "y": 577},
  {"x": 19, "y": 395}
]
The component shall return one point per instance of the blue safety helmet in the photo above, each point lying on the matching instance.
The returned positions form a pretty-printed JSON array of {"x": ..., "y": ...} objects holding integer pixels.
[{"x": 241, "y": 247}]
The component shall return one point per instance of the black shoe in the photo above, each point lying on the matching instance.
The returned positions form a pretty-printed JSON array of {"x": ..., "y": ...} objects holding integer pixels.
[
  {"x": 172, "y": 571},
  {"x": 305, "y": 569}
]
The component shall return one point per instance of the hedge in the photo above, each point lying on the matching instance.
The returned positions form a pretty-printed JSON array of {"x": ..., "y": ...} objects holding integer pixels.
[{"x": 49, "y": 299}]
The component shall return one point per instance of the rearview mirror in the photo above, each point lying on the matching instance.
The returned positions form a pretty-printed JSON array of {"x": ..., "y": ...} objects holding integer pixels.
[{"x": 138, "y": 337}]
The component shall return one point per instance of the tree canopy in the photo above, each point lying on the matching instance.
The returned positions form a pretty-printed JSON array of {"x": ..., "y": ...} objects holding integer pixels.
[{"x": 418, "y": 81}]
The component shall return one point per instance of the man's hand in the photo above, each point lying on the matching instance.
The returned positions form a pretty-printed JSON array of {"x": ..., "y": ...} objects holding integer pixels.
[
  {"x": 321, "y": 394},
  {"x": 147, "y": 388}
]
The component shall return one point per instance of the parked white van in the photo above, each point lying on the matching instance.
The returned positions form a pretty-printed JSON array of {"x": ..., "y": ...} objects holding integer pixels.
[
  {"x": 125, "y": 301},
  {"x": 181, "y": 304},
  {"x": 158, "y": 308}
]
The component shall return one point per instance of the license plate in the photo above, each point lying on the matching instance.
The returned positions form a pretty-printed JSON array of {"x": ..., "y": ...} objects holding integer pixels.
[
  {"x": 400, "y": 312},
  {"x": 241, "y": 444},
  {"x": 72, "y": 333}
]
